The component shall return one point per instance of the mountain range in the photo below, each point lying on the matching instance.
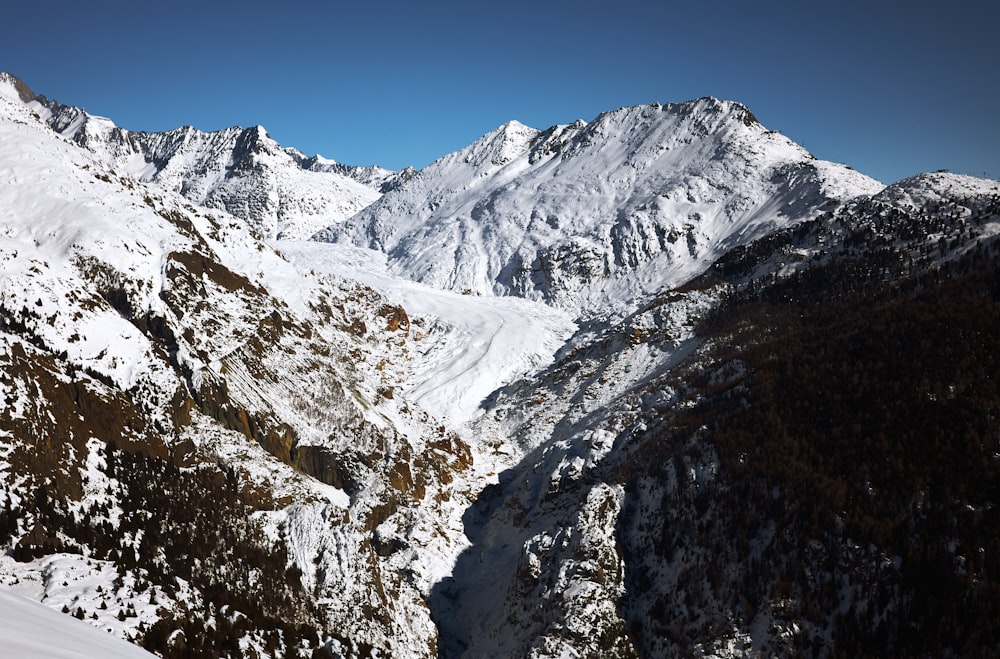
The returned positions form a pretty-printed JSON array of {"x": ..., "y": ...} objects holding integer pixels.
[
  {"x": 280, "y": 192},
  {"x": 657, "y": 384}
]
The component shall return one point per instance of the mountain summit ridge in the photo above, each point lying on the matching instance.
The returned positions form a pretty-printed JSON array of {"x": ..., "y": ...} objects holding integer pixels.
[
  {"x": 23, "y": 91},
  {"x": 279, "y": 191},
  {"x": 583, "y": 214}
]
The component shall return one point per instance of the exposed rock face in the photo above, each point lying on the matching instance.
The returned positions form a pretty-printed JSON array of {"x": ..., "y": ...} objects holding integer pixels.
[{"x": 22, "y": 89}]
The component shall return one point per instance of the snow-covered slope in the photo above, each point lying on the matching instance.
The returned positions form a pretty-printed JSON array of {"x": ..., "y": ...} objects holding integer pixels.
[
  {"x": 166, "y": 374},
  {"x": 279, "y": 191},
  {"x": 934, "y": 188},
  {"x": 30, "y": 629},
  {"x": 587, "y": 216},
  {"x": 632, "y": 526}
]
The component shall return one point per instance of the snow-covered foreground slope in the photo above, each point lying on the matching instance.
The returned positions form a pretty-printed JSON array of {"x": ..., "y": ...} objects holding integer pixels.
[
  {"x": 470, "y": 345},
  {"x": 594, "y": 216},
  {"x": 30, "y": 629}
]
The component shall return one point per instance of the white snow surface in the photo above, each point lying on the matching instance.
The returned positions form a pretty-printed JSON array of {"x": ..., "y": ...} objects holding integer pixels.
[
  {"x": 473, "y": 345},
  {"x": 588, "y": 218},
  {"x": 34, "y": 630},
  {"x": 56, "y": 212},
  {"x": 72, "y": 228}
]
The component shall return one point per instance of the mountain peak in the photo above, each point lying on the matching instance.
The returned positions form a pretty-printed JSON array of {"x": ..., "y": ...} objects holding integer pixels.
[
  {"x": 513, "y": 126},
  {"x": 501, "y": 145},
  {"x": 593, "y": 215},
  {"x": 23, "y": 91},
  {"x": 932, "y": 187},
  {"x": 242, "y": 170}
]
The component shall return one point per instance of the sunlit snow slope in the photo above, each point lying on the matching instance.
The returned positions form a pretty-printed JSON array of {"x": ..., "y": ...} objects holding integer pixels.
[
  {"x": 548, "y": 397},
  {"x": 259, "y": 400},
  {"x": 30, "y": 629}
]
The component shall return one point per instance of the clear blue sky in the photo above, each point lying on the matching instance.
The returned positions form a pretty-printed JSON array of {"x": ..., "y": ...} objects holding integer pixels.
[{"x": 891, "y": 88}]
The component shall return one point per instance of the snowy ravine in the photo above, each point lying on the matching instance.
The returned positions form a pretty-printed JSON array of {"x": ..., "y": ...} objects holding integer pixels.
[{"x": 470, "y": 345}]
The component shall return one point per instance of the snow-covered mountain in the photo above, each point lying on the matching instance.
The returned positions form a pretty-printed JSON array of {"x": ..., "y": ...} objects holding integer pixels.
[
  {"x": 748, "y": 408},
  {"x": 279, "y": 191},
  {"x": 200, "y": 441},
  {"x": 585, "y": 216}
]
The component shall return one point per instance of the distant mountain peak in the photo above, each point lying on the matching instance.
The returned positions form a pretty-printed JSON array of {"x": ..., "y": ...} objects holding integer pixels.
[
  {"x": 708, "y": 114},
  {"x": 933, "y": 187},
  {"x": 710, "y": 104},
  {"x": 242, "y": 170}
]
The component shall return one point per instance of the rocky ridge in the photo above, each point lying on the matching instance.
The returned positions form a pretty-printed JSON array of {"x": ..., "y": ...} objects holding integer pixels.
[{"x": 279, "y": 191}]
